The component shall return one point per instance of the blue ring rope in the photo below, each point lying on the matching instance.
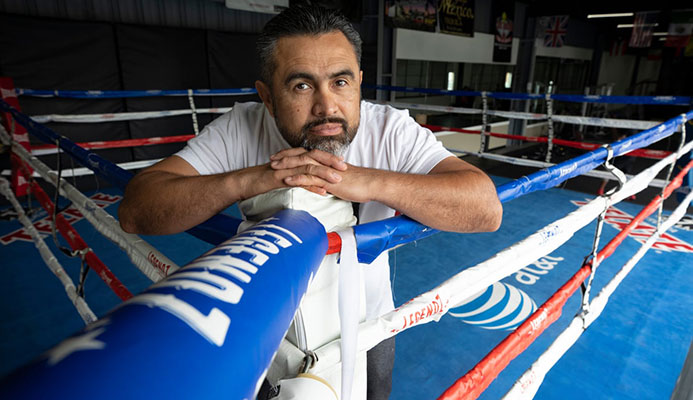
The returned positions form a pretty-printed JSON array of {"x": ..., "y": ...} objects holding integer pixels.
[
  {"x": 215, "y": 230},
  {"x": 657, "y": 100},
  {"x": 117, "y": 94},
  {"x": 373, "y": 237},
  {"x": 110, "y": 94},
  {"x": 222, "y": 317}
]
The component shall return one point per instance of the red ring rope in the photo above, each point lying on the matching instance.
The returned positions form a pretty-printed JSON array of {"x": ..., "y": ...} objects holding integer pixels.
[
  {"x": 77, "y": 243},
  {"x": 646, "y": 153},
  {"x": 474, "y": 382},
  {"x": 112, "y": 144}
]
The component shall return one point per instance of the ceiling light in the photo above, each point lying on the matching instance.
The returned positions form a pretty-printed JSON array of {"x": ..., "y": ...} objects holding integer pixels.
[{"x": 612, "y": 15}]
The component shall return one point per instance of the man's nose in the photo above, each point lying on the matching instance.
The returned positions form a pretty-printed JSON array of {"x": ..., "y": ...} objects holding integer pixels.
[{"x": 325, "y": 103}]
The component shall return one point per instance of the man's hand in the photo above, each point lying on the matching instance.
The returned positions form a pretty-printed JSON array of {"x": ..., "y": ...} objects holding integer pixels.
[
  {"x": 314, "y": 170},
  {"x": 453, "y": 196}
]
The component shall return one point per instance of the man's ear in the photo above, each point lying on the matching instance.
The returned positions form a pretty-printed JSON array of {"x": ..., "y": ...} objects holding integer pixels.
[
  {"x": 360, "y": 77},
  {"x": 264, "y": 92}
]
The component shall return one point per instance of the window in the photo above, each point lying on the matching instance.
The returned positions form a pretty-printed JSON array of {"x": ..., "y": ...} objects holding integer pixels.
[
  {"x": 569, "y": 76},
  {"x": 424, "y": 74}
]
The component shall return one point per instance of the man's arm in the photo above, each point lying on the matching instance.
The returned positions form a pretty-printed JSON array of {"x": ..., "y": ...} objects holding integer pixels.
[
  {"x": 171, "y": 196},
  {"x": 454, "y": 196}
]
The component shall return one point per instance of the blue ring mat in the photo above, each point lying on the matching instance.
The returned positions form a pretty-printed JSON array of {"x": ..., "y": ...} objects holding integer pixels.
[{"x": 635, "y": 349}]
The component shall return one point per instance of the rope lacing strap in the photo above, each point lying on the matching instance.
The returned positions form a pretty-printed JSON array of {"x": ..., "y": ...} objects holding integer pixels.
[
  {"x": 70, "y": 253},
  {"x": 682, "y": 142},
  {"x": 620, "y": 176},
  {"x": 83, "y": 269},
  {"x": 592, "y": 260},
  {"x": 191, "y": 100},
  {"x": 549, "y": 125},
  {"x": 81, "y": 253}
]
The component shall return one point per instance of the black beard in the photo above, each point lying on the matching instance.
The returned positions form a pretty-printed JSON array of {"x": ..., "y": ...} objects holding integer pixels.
[{"x": 336, "y": 144}]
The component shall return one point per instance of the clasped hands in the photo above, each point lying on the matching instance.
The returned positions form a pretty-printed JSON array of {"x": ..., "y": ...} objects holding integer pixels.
[{"x": 321, "y": 172}]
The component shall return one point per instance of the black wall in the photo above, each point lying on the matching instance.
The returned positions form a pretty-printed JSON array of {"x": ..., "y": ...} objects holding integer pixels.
[{"x": 40, "y": 53}]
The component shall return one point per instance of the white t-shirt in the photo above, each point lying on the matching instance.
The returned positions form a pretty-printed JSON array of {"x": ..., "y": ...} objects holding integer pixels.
[{"x": 387, "y": 139}]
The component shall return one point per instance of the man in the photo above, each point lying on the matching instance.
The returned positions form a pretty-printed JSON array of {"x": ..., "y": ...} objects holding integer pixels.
[{"x": 313, "y": 131}]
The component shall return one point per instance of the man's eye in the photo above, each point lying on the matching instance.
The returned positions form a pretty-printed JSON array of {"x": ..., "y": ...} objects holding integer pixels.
[
  {"x": 341, "y": 82},
  {"x": 302, "y": 86}
]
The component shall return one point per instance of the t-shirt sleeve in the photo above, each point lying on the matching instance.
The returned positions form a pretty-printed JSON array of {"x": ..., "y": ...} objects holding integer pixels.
[
  {"x": 208, "y": 152},
  {"x": 417, "y": 149}
]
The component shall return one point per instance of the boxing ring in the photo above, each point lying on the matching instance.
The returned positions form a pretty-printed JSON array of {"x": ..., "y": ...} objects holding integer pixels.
[{"x": 216, "y": 306}]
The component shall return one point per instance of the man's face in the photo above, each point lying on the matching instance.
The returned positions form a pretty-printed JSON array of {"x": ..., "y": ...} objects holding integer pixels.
[{"x": 316, "y": 91}]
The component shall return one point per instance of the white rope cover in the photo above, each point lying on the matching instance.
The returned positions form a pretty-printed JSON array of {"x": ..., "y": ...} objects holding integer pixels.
[
  {"x": 432, "y": 305},
  {"x": 543, "y": 164},
  {"x": 124, "y": 116},
  {"x": 48, "y": 257},
  {"x": 517, "y": 115},
  {"x": 528, "y": 384},
  {"x": 606, "y": 122},
  {"x": 82, "y": 171},
  {"x": 429, "y": 107},
  {"x": 569, "y": 119},
  {"x": 143, "y": 255}
]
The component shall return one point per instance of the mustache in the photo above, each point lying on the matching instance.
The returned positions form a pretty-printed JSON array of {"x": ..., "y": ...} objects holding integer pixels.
[{"x": 327, "y": 120}]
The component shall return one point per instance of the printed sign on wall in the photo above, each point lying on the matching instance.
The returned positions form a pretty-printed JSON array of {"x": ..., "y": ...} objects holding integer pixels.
[
  {"x": 456, "y": 17},
  {"x": 503, "y": 15},
  {"x": 411, "y": 14}
]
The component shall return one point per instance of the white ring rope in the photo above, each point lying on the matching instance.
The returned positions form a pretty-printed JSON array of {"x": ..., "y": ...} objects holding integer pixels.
[
  {"x": 527, "y": 385},
  {"x": 429, "y": 107},
  {"x": 428, "y": 306},
  {"x": 510, "y": 260},
  {"x": 123, "y": 116},
  {"x": 82, "y": 171},
  {"x": 569, "y": 119},
  {"x": 517, "y": 115},
  {"x": 143, "y": 255},
  {"x": 606, "y": 122},
  {"x": 660, "y": 183},
  {"x": 48, "y": 257}
]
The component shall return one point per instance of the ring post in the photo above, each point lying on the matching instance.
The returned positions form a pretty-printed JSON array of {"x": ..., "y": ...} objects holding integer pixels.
[
  {"x": 18, "y": 133},
  {"x": 209, "y": 330}
]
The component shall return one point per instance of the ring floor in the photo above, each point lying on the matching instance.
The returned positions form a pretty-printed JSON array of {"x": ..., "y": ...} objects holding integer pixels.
[{"x": 635, "y": 350}]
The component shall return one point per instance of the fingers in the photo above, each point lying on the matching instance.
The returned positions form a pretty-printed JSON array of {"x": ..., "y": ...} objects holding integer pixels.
[
  {"x": 317, "y": 190},
  {"x": 311, "y": 175},
  {"x": 312, "y": 170},
  {"x": 288, "y": 153},
  {"x": 292, "y": 158}
]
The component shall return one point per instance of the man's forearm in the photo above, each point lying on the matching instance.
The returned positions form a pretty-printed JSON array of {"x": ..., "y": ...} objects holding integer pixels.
[
  {"x": 459, "y": 201},
  {"x": 170, "y": 196},
  {"x": 160, "y": 202},
  {"x": 453, "y": 196}
]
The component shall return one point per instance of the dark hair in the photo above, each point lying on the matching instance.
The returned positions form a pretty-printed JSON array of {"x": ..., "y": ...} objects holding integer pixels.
[{"x": 301, "y": 20}]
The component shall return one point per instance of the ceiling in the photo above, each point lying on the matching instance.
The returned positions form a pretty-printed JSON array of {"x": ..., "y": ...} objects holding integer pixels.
[{"x": 580, "y": 8}]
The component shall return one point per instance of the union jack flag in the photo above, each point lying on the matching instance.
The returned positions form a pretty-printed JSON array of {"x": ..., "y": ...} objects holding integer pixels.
[{"x": 556, "y": 28}]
